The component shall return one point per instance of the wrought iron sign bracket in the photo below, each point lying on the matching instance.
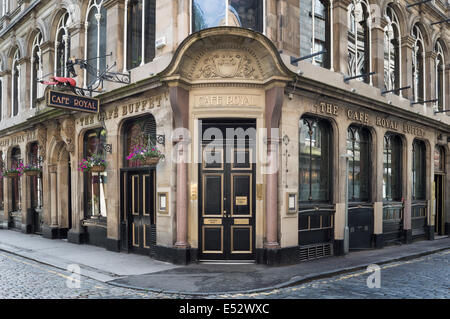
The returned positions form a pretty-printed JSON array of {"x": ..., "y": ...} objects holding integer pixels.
[
  {"x": 294, "y": 61},
  {"x": 348, "y": 78},
  {"x": 108, "y": 148},
  {"x": 396, "y": 90},
  {"x": 424, "y": 102},
  {"x": 161, "y": 139}
]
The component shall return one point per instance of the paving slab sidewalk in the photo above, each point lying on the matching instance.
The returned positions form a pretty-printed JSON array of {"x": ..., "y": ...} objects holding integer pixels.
[{"x": 144, "y": 273}]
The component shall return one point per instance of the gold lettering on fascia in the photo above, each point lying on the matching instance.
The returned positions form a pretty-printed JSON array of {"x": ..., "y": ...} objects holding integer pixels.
[
  {"x": 123, "y": 110},
  {"x": 387, "y": 123},
  {"x": 226, "y": 100},
  {"x": 358, "y": 116},
  {"x": 327, "y": 108},
  {"x": 27, "y": 137},
  {"x": 413, "y": 130}
]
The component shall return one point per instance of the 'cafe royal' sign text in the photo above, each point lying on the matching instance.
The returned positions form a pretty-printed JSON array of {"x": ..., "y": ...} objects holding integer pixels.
[
  {"x": 72, "y": 101},
  {"x": 364, "y": 118}
]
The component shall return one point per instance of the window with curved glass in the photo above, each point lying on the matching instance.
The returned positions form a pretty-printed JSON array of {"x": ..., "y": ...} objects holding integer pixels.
[
  {"x": 315, "y": 30},
  {"x": 418, "y": 170},
  {"x": 439, "y": 159},
  {"x": 440, "y": 76},
  {"x": 239, "y": 13},
  {"x": 95, "y": 40},
  {"x": 391, "y": 51},
  {"x": 138, "y": 132},
  {"x": 418, "y": 62},
  {"x": 315, "y": 160},
  {"x": 358, "y": 147},
  {"x": 15, "y": 84},
  {"x": 36, "y": 69},
  {"x": 35, "y": 182},
  {"x": 358, "y": 39},
  {"x": 140, "y": 32},
  {"x": 95, "y": 182},
  {"x": 392, "y": 168},
  {"x": 62, "y": 46},
  {"x": 16, "y": 193}
]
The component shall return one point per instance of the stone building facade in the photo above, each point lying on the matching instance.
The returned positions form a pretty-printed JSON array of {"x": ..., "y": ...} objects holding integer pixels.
[{"x": 374, "y": 97}]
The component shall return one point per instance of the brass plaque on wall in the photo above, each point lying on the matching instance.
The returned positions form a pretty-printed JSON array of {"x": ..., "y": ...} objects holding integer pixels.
[
  {"x": 212, "y": 221},
  {"x": 241, "y": 200},
  {"x": 241, "y": 221},
  {"x": 259, "y": 192},
  {"x": 194, "y": 192}
]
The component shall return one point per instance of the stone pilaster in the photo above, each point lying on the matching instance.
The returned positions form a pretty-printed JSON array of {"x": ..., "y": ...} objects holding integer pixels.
[
  {"x": 378, "y": 52},
  {"x": 340, "y": 37},
  {"x": 430, "y": 77},
  {"x": 115, "y": 12},
  {"x": 407, "y": 43}
]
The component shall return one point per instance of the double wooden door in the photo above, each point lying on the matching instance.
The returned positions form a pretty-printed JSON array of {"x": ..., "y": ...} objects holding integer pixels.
[
  {"x": 140, "y": 210},
  {"x": 227, "y": 193}
]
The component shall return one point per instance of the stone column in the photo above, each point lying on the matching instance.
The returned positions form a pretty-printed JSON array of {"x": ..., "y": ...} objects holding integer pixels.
[
  {"x": 25, "y": 85},
  {"x": 6, "y": 94},
  {"x": 51, "y": 230},
  {"x": 115, "y": 11},
  {"x": 25, "y": 196},
  {"x": 430, "y": 189},
  {"x": 447, "y": 90},
  {"x": 378, "y": 52},
  {"x": 48, "y": 57},
  {"x": 406, "y": 48},
  {"x": 6, "y": 205},
  {"x": 340, "y": 37},
  {"x": 377, "y": 186},
  {"x": 113, "y": 191},
  {"x": 77, "y": 46},
  {"x": 181, "y": 149},
  {"x": 430, "y": 77},
  {"x": 272, "y": 194},
  {"x": 407, "y": 187}
]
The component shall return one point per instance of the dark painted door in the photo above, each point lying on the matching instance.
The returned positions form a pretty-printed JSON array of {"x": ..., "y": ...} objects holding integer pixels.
[
  {"x": 140, "y": 206},
  {"x": 439, "y": 204},
  {"x": 227, "y": 191},
  {"x": 360, "y": 225}
]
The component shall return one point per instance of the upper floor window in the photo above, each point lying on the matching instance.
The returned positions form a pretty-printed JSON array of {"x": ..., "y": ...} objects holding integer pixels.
[
  {"x": 15, "y": 84},
  {"x": 62, "y": 46},
  {"x": 315, "y": 30},
  {"x": 418, "y": 170},
  {"x": 36, "y": 70},
  {"x": 358, "y": 39},
  {"x": 95, "y": 40},
  {"x": 418, "y": 63},
  {"x": 140, "y": 32},
  {"x": 358, "y": 147},
  {"x": 392, "y": 167},
  {"x": 315, "y": 160},
  {"x": 440, "y": 76},
  {"x": 391, "y": 51},
  {"x": 212, "y": 13}
]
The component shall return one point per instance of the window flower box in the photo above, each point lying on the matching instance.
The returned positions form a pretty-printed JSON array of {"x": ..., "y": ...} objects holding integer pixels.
[
  {"x": 146, "y": 154},
  {"x": 94, "y": 163}
]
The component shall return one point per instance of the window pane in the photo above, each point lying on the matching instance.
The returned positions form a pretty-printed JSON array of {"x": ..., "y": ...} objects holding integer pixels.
[
  {"x": 246, "y": 14},
  {"x": 207, "y": 14},
  {"x": 149, "y": 30},
  {"x": 134, "y": 50},
  {"x": 92, "y": 36}
]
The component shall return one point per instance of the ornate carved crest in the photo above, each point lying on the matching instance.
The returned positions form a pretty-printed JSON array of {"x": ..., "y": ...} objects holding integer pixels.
[
  {"x": 68, "y": 134},
  {"x": 227, "y": 65}
]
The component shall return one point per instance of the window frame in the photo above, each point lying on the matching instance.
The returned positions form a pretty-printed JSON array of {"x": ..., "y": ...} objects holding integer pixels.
[
  {"x": 417, "y": 78},
  {"x": 36, "y": 88},
  {"x": 310, "y": 121},
  {"x": 393, "y": 23},
  {"x": 440, "y": 67},
  {"x": 419, "y": 146},
  {"x": 15, "y": 87},
  {"x": 353, "y": 69},
  {"x": 144, "y": 45},
  {"x": 191, "y": 18},
  {"x": 387, "y": 140},
  {"x": 63, "y": 30}
]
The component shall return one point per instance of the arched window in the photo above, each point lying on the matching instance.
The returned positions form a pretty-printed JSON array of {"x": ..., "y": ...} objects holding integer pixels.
[
  {"x": 95, "y": 40},
  {"x": 418, "y": 62},
  {"x": 15, "y": 84},
  {"x": 358, "y": 147},
  {"x": 138, "y": 132},
  {"x": 315, "y": 160},
  {"x": 62, "y": 46},
  {"x": 418, "y": 170},
  {"x": 440, "y": 77},
  {"x": 212, "y": 13},
  {"x": 315, "y": 30},
  {"x": 36, "y": 69},
  {"x": 140, "y": 32},
  {"x": 94, "y": 182},
  {"x": 392, "y": 51},
  {"x": 392, "y": 169},
  {"x": 15, "y": 182},
  {"x": 359, "y": 39}
]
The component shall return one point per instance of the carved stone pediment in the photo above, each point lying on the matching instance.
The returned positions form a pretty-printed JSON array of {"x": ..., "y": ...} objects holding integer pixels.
[
  {"x": 227, "y": 55},
  {"x": 68, "y": 134},
  {"x": 42, "y": 141}
]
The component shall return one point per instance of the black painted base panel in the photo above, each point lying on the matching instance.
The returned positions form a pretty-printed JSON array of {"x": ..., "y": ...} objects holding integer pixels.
[
  {"x": 429, "y": 232},
  {"x": 178, "y": 256},
  {"x": 447, "y": 229},
  {"x": 338, "y": 247},
  {"x": 378, "y": 240},
  {"x": 54, "y": 232},
  {"x": 407, "y": 235}
]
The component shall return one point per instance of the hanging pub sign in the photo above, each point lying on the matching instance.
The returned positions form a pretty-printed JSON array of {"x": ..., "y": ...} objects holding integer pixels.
[{"x": 72, "y": 102}]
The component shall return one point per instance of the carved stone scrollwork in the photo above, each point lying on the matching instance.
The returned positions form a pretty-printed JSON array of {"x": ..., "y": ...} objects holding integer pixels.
[
  {"x": 227, "y": 65},
  {"x": 68, "y": 134},
  {"x": 42, "y": 141}
]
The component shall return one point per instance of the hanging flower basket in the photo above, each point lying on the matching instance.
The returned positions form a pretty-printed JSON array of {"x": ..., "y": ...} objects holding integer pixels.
[
  {"x": 151, "y": 160},
  {"x": 97, "y": 168},
  {"x": 32, "y": 173},
  {"x": 32, "y": 170},
  {"x": 146, "y": 155},
  {"x": 12, "y": 174}
]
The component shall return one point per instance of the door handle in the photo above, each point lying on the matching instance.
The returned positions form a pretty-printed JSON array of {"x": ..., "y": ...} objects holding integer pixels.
[{"x": 225, "y": 213}]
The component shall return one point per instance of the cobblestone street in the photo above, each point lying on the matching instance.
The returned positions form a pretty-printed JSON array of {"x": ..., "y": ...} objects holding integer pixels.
[{"x": 424, "y": 277}]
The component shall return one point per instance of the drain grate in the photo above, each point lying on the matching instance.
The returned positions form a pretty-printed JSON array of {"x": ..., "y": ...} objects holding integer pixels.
[{"x": 315, "y": 251}]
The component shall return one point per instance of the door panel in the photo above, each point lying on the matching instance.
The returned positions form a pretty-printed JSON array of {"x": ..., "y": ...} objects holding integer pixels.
[
  {"x": 140, "y": 210},
  {"x": 227, "y": 203}
]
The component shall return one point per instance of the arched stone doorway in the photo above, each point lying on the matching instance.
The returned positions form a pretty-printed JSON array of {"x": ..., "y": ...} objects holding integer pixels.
[{"x": 59, "y": 181}]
